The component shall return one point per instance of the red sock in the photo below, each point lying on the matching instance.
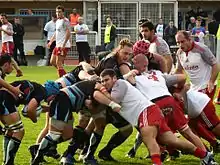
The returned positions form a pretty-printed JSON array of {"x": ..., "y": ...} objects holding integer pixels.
[
  {"x": 199, "y": 153},
  {"x": 61, "y": 72},
  {"x": 205, "y": 134},
  {"x": 156, "y": 159}
]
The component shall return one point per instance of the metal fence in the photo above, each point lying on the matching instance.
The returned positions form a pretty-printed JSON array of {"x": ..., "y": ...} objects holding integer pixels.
[
  {"x": 124, "y": 16},
  {"x": 93, "y": 43},
  {"x": 120, "y": 37},
  {"x": 154, "y": 11},
  {"x": 48, "y": 12},
  {"x": 209, "y": 40}
]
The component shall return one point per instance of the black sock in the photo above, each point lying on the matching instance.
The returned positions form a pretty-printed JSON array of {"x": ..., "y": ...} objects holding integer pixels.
[
  {"x": 95, "y": 139},
  {"x": 5, "y": 145},
  {"x": 137, "y": 142},
  {"x": 11, "y": 150},
  {"x": 86, "y": 144},
  {"x": 2, "y": 130},
  {"x": 44, "y": 147},
  {"x": 116, "y": 140},
  {"x": 74, "y": 144}
]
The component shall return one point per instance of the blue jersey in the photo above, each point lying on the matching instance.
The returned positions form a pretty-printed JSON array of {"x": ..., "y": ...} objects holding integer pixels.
[
  {"x": 68, "y": 79},
  {"x": 71, "y": 77},
  {"x": 30, "y": 90},
  {"x": 79, "y": 92}
]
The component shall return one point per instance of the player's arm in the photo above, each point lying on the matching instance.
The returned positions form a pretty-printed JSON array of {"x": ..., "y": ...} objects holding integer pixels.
[
  {"x": 102, "y": 89},
  {"x": 179, "y": 69},
  {"x": 179, "y": 79},
  {"x": 104, "y": 97},
  {"x": 51, "y": 40},
  {"x": 209, "y": 58},
  {"x": 159, "y": 60},
  {"x": 118, "y": 91},
  {"x": 124, "y": 69},
  {"x": 164, "y": 50},
  {"x": 67, "y": 34},
  {"x": 15, "y": 90},
  {"x": 31, "y": 110},
  {"x": 180, "y": 95},
  {"x": 37, "y": 97},
  {"x": 84, "y": 74}
]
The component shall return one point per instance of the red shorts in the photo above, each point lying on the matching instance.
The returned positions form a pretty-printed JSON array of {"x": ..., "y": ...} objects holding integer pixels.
[
  {"x": 7, "y": 48},
  {"x": 211, "y": 95},
  {"x": 152, "y": 116},
  {"x": 58, "y": 52},
  {"x": 208, "y": 117},
  {"x": 173, "y": 113}
]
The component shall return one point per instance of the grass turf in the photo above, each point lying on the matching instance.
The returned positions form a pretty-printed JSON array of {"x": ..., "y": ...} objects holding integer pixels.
[{"x": 40, "y": 75}]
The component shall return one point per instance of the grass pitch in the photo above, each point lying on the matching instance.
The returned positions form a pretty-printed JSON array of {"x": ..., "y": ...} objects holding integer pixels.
[{"x": 40, "y": 75}]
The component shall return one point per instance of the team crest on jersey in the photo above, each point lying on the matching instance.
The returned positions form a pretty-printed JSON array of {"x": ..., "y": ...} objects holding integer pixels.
[{"x": 167, "y": 110}]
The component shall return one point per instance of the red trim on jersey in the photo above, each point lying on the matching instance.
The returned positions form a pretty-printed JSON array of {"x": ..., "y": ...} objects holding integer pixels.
[
  {"x": 193, "y": 45},
  {"x": 199, "y": 47},
  {"x": 154, "y": 39}
]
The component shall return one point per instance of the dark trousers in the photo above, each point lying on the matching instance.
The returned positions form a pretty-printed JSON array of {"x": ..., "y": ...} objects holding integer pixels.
[
  {"x": 52, "y": 46},
  {"x": 19, "y": 46},
  {"x": 84, "y": 51}
]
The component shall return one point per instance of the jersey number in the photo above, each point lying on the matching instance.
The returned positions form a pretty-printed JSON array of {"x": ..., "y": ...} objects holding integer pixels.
[{"x": 153, "y": 76}]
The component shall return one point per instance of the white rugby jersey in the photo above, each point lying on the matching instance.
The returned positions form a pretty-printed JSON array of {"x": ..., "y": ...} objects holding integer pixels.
[
  {"x": 61, "y": 26},
  {"x": 50, "y": 27},
  {"x": 198, "y": 64},
  {"x": 81, "y": 37},
  {"x": 159, "y": 46},
  {"x": 5, "y": 37},
  {"x": 133, "y": 102},
  {"x": 152, "y": 84},
  {"x": 195, "y": 102}
]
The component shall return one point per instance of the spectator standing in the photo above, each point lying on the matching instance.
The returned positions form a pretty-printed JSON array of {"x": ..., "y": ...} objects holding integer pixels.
[
  {"x": 82, "y": 44},
  {"x": 214, "y": 25},
  {"x": 202, "y": 15},
  {"x": 19, "y": 42},
  {"x": 110, "y": 35},
  {"x": 192, "y": 24},
  {"x": 49, "y": 31},
  {"x": 169, "y": 34},
  {"x": 189, "y": 14},
  {"x": 159, "y": 28},
  {"x": 95, "y": 25},
  {"x": 73, "y": 17},
  {"x": 30, "y": 12},
  {"x": 7, "y": 41},
  {"x": 198, "y": 31}
]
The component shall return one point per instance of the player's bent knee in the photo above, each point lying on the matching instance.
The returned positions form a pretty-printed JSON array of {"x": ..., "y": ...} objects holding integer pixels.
[
  {"x": 16, "y": 128},
  {"x": 55, "y": 135},
  {"x": 57, "y": 124}
]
